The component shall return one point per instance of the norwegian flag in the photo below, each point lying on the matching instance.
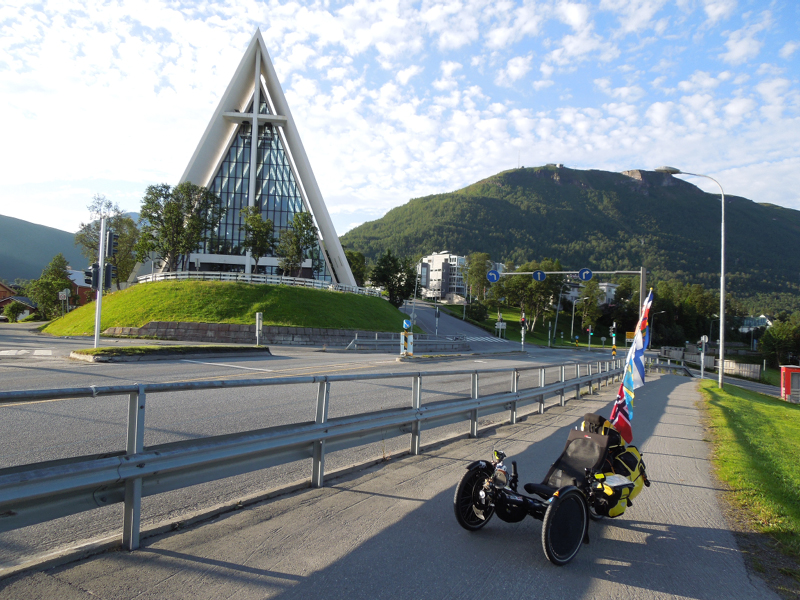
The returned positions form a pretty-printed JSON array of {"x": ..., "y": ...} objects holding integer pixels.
[{"x": 619, "y": 416}]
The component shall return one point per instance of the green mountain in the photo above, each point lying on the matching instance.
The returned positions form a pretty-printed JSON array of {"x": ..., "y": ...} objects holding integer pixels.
[
  {"x": 603, "y": 221},
  {"x": 27, "y": 248}
]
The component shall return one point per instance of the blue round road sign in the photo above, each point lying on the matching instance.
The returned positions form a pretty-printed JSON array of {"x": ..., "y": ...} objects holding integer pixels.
[
  {"x": 585, "y": 274},
  {"x": 406, "y": 324},
  {"x": 539, "y": 275},
  {"x": 493, "y": 276}
]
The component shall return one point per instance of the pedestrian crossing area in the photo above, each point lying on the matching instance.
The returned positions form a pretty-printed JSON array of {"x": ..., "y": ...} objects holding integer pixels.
[
  {"x": 486, "y": 338},
  {"x": 23, "y": 352}
]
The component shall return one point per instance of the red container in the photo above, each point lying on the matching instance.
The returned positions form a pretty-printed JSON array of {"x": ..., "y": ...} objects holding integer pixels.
[{"x": 790, "y": 383}]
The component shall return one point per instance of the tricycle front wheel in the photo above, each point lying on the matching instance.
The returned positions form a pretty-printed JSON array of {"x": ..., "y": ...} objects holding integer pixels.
[{"x": 471, "y": 511}]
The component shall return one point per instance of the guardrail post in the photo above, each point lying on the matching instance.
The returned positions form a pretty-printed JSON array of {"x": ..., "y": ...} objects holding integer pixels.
[
  {"x": 562, "y": 375},
  {"x": 132, "y": 511},
  {"x": 318, "y": 466},
  {"x": 542, "y": 379},
  {"x": 416, "y": 401},
  {"x": 473, "y": 422},
  {"x": 514, "y": 390},
  {"x": 577, "y": 376}
]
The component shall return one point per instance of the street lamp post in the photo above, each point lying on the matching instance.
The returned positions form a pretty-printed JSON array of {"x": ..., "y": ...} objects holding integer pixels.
[
  {"x": 674, "y": 171},
  {"x": 652, "y": 330}
]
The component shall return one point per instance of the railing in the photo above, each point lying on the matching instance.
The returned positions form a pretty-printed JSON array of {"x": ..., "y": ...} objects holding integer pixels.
[
  {"x": 35, "y": 493},
  {"x": 423, "y": 341},
  {"x": 659, "y": 364},
  {"x": 254, "y": 278}
]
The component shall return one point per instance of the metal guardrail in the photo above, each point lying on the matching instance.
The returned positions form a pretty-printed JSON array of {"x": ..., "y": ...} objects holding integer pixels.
[
  {"x": 255, "y": 278},
  {"x": 657, "y": 364},
  {"x": 422, "y": 340},
  {"x": 39, "y": 492}
]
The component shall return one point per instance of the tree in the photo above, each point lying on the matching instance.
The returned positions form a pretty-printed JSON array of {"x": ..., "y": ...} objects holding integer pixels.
[
  {"x": 88, "y": 236},
  {"x": 778, "y": 341},
  {"x": 358, "y": 266},
  {"x": 478, "y": 265},
  {"x": 536, "y": 298},
  {"x": 173, "y": 220},
  {"x": 296, "y": 242},
  {"x": 14, "y": 310},
  {"x": 44, "y": 291},
  {"x": 590, "y": 311},
  {"x": 258, "y": 238},
  {"x": 396, "y": 275}
]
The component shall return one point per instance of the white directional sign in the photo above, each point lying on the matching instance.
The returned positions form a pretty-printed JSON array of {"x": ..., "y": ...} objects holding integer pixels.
[{"x": 493, "y": 276}]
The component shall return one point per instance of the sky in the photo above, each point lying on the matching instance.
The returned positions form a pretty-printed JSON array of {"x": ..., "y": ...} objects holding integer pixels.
[{"x": 395, "y": 100}]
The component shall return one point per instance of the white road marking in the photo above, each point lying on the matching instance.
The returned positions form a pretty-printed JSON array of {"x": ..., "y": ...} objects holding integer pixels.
[
  {"x": 485, "y": 339},
  {"x": 24, "y": 352},
  {"x": 198, "y": 362}
]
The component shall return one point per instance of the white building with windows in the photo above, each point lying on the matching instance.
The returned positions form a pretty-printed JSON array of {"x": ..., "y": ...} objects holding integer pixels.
[{"x": 446, "y": 272}]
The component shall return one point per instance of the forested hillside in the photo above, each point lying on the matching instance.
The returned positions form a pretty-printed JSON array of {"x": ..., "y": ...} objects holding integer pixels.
[
  {"x": 27, "y": 248},
  {"x": 603, "y": 221}
]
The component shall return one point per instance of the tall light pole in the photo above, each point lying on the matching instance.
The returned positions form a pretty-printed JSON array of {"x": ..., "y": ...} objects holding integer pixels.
[
  {"x": 652, "y": 330},
  {"x": 674, "y": 171}
]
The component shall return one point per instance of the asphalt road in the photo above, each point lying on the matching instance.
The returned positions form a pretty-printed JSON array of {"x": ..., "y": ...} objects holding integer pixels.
[
  {"x": 480, "y": 340},
  {"x": 389, "y": 531},
  {"x": 50, "y": 430}
]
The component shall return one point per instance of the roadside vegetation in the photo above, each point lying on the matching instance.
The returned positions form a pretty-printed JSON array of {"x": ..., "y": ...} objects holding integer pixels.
[
  {"x": 756, "y": 450},
  {"x": 231, "y": 302}
]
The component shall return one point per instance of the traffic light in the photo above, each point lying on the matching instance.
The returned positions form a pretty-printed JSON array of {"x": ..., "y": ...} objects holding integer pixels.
[
  {"x": 112, "y": 243},
  {"x": 91, "y": 276},
  {"x": 589, "y": 330},
  {"x": 111, "y": 273}
]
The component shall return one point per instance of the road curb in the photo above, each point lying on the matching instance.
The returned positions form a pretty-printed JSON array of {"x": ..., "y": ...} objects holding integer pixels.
[{"x": 167, "y": 356}]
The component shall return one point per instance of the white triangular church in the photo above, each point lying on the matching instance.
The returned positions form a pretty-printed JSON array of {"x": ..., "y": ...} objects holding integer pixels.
[{"x": 277, "y": 177}]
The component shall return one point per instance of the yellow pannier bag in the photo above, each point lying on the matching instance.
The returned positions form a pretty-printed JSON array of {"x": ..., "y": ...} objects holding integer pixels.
[
  {"x": 612, "y": 493},
  {"x": 630, "y": 465}
]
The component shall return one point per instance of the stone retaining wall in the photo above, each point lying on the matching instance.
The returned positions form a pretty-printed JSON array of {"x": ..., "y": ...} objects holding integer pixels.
[{"x": 228, "y": 333}]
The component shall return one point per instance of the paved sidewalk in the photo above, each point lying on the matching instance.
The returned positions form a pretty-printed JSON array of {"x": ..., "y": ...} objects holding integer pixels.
[{"x": 389, "y": 531}]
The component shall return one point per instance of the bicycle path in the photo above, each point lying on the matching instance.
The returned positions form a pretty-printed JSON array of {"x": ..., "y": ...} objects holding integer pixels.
[{"x": 389, "y": 531}]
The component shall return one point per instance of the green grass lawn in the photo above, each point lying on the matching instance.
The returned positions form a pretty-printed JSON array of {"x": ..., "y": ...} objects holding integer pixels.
[
  {"x": 757, "y": 453},
  {"x": 511, "y": 316},
  {"x": 771, "y": 377},
  {"x": 232, "y": 302}
]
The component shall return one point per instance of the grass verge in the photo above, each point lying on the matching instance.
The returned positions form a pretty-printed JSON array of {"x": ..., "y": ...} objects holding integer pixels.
[
  {"x": 756, "y": 451},
  {"x": 174, "y": 349},
  {"x": 232, "y": 302}
]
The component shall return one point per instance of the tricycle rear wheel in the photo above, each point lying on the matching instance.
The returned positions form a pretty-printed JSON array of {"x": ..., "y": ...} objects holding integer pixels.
[{"x": 564, "y": 526}]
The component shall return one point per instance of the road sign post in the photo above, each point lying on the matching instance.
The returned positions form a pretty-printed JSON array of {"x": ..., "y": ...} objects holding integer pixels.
[
  {"x": 703, "y": 341},
  {"x": 100, "y": 261}
]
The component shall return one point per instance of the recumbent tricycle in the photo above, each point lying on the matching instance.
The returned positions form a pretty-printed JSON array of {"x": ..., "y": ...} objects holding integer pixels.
[{"x": 596, "y": 476}]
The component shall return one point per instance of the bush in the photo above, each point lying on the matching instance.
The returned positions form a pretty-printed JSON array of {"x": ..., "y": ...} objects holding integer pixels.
[
  {"x": 477, "y": 311},
  {"x": 14, "y": 310},
  {"x": 31, "y": 317}
]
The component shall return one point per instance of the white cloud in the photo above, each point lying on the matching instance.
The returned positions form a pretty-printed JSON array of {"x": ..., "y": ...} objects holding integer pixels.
[
  {"x": 742, "y": 44},
  {"x": 404, "y": 75},
  {"x": 516, "y": 69},
  {"x": 717, "y": 10},
  {"x": 635, "y": 15},
  {"x": 699, "y": 81},
  {"x": 628, "y": 93},
  {"x": 788, "y": 49}
]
